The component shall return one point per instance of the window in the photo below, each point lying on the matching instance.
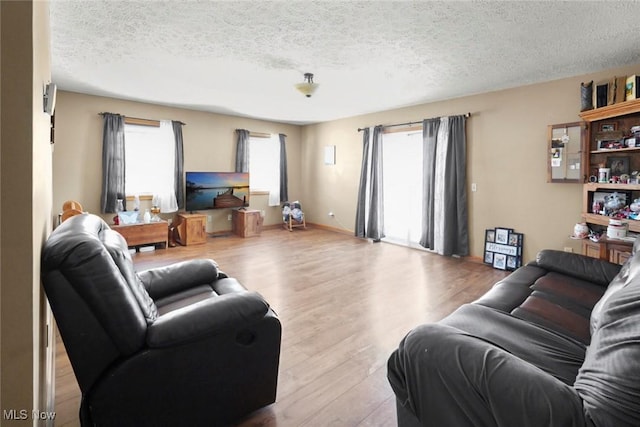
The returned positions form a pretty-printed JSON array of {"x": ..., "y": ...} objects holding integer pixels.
[
  {"x": 150, "y": 162},
  {"x": 264, "y": 166}
]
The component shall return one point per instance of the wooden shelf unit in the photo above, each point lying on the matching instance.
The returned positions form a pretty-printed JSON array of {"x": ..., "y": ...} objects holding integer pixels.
[{"x": 624, "y": 115}]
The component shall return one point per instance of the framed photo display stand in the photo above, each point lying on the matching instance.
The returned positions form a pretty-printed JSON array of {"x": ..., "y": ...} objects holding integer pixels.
[{"x": 503, "y": 248}]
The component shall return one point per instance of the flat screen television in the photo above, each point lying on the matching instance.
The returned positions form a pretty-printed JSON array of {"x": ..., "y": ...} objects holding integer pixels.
[{"x": 216, "y": 190}]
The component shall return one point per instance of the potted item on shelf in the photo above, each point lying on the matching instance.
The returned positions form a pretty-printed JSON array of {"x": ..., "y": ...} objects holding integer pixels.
[
  {"x": 580, "y": 231},
  {"x": 616, "y": 229}
]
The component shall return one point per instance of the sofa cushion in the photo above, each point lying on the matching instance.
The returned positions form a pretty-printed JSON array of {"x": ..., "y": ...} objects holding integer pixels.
[
  {"x": 556, "y": 301},
  {"x": 592, "y": 270},
  {"x": 609, "y": 380},
  {"x": 553, "y": 353}
]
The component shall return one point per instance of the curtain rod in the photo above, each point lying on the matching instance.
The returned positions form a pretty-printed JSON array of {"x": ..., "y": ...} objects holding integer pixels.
[
  {"x": 467, "y": 115},
  {"x": 138, "y": 118}
]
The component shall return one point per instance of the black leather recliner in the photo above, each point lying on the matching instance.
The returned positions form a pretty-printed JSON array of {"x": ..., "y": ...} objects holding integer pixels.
[{"x": 178, "y": 345}]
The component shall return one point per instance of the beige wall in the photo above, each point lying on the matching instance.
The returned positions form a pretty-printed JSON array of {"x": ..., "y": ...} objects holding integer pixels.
[
  {"x": 209, "y": 145},
  {"x": 506, "y": 157},
  {"x": 506, "y": 138},
  {"x": 26, "y": 202}
]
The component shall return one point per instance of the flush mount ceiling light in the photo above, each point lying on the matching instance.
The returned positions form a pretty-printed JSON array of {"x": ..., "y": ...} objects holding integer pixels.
[{"x": 308, "y": 87}]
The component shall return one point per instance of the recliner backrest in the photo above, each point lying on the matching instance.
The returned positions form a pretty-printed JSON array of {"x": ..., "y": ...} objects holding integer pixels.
[{"x": 99, "y": 316}]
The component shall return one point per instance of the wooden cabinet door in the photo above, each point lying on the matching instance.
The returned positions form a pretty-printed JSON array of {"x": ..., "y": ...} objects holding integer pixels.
[
  {"x": 594, "y": 249},
  {"x": 192, "y": 229},
  {"x": 196, "y": 230}
]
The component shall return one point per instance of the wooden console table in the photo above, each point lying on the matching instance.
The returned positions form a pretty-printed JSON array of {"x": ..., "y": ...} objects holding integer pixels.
[{"x": 141, "y": 234}]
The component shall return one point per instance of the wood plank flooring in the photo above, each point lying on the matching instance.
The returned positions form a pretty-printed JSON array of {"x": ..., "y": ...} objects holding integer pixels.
[{"x": 344, "y": 304}]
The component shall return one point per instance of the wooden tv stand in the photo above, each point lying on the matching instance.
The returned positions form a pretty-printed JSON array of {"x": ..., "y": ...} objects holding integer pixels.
[{"x": 141, "y": 234}]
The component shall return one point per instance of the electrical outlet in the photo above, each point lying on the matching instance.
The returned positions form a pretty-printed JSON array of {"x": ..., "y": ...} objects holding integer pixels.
[
  {"x": 474, "y": 187},
  {"x": 229, "y": 217},
  {"x": 209, "y": 218},
  {"x": 568, "y": 249}
]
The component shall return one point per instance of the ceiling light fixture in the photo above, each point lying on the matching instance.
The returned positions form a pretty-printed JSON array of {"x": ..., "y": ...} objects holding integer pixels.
[{"x": 308, "y": 87}]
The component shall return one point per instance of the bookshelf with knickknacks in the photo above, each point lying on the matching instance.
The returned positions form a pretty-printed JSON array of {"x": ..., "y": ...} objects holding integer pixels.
[{"x": 611, "y": 159}]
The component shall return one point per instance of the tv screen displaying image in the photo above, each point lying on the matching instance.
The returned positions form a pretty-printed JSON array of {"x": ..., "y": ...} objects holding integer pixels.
[{"x": 215, "y": 190}]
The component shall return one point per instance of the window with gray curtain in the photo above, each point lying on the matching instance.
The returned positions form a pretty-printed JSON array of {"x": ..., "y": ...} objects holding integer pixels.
[
  {"x": 445, "y": 215},
  {"x": 113, "y": 162},
  {"x": 243, "y": 156}
]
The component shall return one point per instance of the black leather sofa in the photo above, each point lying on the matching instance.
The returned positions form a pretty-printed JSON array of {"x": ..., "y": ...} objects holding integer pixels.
[
  {"x": 178, "y": 345},
  {"x": 556, "y": 343}
]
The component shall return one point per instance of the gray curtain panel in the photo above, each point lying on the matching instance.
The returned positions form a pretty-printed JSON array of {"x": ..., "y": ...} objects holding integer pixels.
[
  {"x": 429, "y": 136},
  {"x": 242, "y": 151},
  {"x": 179, "y": 171},
  {"x": 375, "y": 223},
  {"x": 284, "y": 179},
  {"x": 113, "y": 162},
  {"x": 361, "y": 209},
  {"x": 445, "y": 214}
]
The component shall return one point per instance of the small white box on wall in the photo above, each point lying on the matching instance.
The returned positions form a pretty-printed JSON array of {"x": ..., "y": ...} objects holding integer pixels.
[{"x": 330, "y": 155}]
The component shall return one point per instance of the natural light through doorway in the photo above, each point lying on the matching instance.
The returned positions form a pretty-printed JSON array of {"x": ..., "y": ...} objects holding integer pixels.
[{"x": 402, "y": 186}]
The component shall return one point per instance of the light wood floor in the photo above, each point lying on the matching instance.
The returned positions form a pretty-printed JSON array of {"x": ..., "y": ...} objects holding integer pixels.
[{"x": 344, "y": 304}]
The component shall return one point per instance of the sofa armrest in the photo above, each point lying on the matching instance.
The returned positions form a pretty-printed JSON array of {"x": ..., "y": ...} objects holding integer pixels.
[
  {"x": 162, "y": 281},
  {"x": 205, "y": 318},
  {"x": 582, "y": 267}
]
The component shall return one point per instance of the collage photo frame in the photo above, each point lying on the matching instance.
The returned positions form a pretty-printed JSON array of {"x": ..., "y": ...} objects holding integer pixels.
[{"x": 503, "y": 248}]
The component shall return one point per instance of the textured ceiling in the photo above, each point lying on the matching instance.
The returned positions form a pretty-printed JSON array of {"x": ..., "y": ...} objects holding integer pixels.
[{"x": 243, "y": 58}]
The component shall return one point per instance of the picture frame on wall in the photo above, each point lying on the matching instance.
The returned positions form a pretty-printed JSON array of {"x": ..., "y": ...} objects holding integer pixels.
[
  {"x": 618, "y": 165},
  {"x": 608, "y": 127}
]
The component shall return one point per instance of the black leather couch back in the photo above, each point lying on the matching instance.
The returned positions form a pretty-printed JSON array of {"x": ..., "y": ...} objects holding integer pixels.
[{"x": 83, "y": 283}]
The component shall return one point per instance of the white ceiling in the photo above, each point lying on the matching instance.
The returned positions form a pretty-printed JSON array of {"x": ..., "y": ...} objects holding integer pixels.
[{"x": 244, "y": 57}]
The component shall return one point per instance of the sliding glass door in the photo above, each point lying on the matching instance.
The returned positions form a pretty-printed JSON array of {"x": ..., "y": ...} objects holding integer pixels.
[{"x": 402, "y": 186}]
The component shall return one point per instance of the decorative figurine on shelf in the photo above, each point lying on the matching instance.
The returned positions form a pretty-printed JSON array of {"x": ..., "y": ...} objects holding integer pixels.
[
  {"x": 596, "y": 208},
  {"x": 613, "y": 201},
  {"x": 155, "y": 208},
  {"x": 119, "y": 208}
]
